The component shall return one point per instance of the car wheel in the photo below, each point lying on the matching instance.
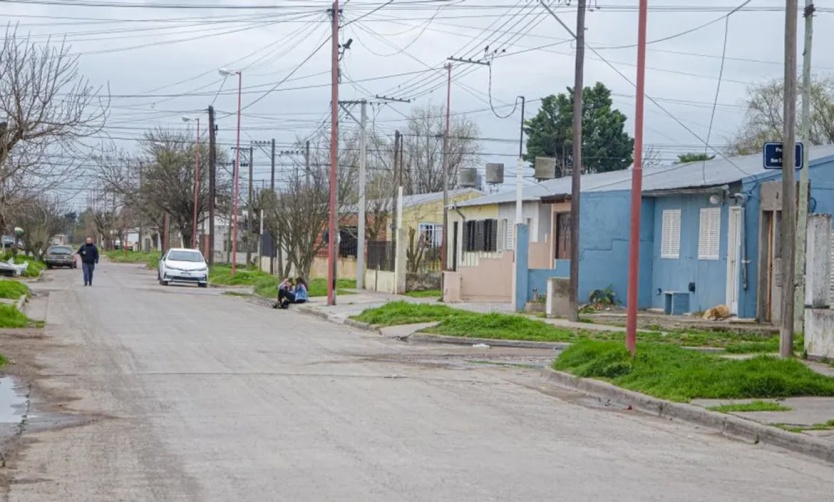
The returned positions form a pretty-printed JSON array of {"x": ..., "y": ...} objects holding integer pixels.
[
  {"x": 164, "y": 283},
  {"x": 202, "y": 284}
]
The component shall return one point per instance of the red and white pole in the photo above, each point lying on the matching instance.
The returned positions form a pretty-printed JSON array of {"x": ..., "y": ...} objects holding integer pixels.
[{"x": 636, "y": 186}]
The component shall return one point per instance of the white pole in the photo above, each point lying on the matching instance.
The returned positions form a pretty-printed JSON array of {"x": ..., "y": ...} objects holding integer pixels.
[
  {"x": 360, "y": 249},
  {"x": 260, "y": 242},
  {"x": 518, "y": 174},
  {"x": 399, "y": 208}
]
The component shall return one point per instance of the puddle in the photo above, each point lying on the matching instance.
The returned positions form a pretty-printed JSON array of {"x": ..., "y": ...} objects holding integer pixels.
[{"x": 12, "y": 401}]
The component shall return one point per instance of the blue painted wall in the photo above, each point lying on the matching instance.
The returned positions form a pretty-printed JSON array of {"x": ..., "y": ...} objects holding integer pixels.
[
  {"x": 675, "y": 274},
  {"x": 537, "y": 278},
  {"x": 603, "y": 243},
  {"x": 521, "y": 267}
]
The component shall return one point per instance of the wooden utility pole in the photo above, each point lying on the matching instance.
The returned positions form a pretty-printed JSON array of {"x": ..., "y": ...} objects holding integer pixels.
[
  {"x": 576, "y": 170},
  {"x": 789, "y": 182},
  {"x": 334, "y": 155},
  {"x": 212, "y": 181},
  {"x": 805, "y": 133}
]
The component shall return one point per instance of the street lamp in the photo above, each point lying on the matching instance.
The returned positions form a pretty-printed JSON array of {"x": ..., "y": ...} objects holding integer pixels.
[
  {"x": 196, "y": 181},
  {"x": 228, "y": 73}
]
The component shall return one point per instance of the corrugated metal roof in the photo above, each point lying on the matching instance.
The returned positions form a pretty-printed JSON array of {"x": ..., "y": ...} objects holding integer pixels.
[
  {"x": 678, "y": 176},
  {"x": 419, "y": 199}
]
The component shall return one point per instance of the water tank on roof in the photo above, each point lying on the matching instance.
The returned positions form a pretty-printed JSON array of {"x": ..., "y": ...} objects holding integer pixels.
[
  {"x": 468, "y": 177},
  {"x": 494, "y": 174},
  {"x": 545, "y": 168}
]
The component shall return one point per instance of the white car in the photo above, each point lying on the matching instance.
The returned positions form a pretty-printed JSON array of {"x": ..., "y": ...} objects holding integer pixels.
[{"x": 183, "y": 265}]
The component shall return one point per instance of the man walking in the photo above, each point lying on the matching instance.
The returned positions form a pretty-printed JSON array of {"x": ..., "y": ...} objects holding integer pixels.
[{"x": 89, "y": 257}]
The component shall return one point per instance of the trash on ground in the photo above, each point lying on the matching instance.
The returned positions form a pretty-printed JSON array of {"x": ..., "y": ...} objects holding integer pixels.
[{"x": 480, "y": 346}]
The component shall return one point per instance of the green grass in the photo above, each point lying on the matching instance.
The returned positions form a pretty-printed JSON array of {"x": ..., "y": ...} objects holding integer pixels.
[
  {"x": 400, "y": 313},
  {"x": 10, "y": 317},
  {"x": 754, "y": 406},
  {"x": 503, "y": 326},
  {"x": 429, "y": 293},
  {"x": 13, "y": 290},
  {"x": 35, "y": 266},
  {"x": 827, "y": 426},
  {"x": 266, "y": 285},
  {"x": 677, "y": 374},
  {"x": 119, "y": 256}
]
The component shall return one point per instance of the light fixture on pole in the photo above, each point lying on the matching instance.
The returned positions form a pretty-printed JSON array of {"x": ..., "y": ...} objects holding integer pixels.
[
  {"x": 228, "y": 73},
  {"x": 196, "y": 182}
]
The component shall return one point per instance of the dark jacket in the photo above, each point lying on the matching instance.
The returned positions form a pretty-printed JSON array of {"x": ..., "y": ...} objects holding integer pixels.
[{"x": 88, "y": 253}]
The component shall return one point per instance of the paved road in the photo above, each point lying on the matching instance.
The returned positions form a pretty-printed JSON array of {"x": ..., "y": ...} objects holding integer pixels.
[{"x": 203, "y": 397}]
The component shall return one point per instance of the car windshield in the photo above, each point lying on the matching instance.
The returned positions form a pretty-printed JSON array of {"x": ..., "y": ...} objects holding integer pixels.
[
  {"x": 185, "y": 256},
  {"x": 59, "y": 250}
]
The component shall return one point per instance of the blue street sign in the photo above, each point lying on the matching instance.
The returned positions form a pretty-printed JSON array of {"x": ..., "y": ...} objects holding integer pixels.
[{"x": 773, "y": 155}]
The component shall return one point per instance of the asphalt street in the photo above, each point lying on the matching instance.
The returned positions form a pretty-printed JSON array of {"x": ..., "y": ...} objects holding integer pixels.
[{"x": 191, "y": 395}]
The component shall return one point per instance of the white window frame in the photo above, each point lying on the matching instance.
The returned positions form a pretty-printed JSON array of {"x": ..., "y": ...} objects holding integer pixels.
[
  {"x": 433, "y": 229},
  {"x": 709, "y": 233},
  {"x": 670, "y": 244}
]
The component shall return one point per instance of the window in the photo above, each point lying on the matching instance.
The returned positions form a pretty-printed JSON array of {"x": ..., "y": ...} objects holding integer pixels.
[
  {"x": 480, "y": 235},
  {"x": 502, "y": 235},
  {"x": 431, "y": 234},
  {"x": 563, "y": 236},
  {"x": 670, "y": 246},
  {"x": 708, "y": 236}
]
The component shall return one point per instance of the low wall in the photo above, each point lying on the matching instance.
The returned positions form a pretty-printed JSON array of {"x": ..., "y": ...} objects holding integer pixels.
[
  {"x": 345, "y": 268},
  {"x": 819, "y": 333},
  {"x": 491, "y": 281},
  {"x": 381, "y": 281},
  {"x": 537, "y": 278},
  {"x": 422, "y": 281}
]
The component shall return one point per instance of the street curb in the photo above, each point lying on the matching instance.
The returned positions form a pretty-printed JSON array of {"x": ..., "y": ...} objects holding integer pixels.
[
  {"x": 459, "y": 340},
  {"x": 728, "y": 425},
  {"x": 20, "y": 302},
  {"x": 312, "y": 311}
]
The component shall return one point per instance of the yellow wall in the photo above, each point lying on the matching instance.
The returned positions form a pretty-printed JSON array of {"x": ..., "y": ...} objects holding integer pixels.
[{"x": 432, "y": 212}]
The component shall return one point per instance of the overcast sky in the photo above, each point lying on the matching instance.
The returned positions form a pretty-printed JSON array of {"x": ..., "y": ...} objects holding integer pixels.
[{"x": 160, "y": 61}]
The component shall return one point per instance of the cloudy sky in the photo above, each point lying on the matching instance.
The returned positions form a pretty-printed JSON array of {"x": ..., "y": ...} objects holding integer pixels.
[{"x": 160, "y": 60}]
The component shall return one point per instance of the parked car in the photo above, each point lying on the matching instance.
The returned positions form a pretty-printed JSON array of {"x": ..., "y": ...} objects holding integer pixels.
[
  {"x": 183, "y": 265},
  {"x": 60, "y": 256}
]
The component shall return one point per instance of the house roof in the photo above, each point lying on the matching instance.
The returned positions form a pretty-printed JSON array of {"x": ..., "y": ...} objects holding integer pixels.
[
  {"x": 419, "y": 199},
  {"x": 693, "y": 175}
]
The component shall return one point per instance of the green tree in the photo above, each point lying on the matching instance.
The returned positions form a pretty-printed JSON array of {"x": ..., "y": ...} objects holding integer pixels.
[
  {"x": 686, "y": 158},
  {"x": 605, "y": 144}
]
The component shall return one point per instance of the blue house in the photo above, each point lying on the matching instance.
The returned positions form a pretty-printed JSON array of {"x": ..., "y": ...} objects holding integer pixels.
[{"x": 709, "y": 234}]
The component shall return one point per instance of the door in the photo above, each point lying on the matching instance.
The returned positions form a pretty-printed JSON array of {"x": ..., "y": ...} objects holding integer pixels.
[{"x": 733, "y": 257}]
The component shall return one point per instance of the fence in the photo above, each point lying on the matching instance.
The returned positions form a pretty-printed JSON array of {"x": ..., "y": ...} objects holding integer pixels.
[{"x": 381, "y": 255}]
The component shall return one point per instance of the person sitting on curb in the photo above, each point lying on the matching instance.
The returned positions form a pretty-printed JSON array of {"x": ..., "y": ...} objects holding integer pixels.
[
  {"x": 298, "y": 294},
  {"x": 284, "y": 289}
]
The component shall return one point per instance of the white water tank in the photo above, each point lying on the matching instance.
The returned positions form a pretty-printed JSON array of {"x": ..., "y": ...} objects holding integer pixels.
[
  {"x": 494, "y": 174},
  {"x": 468, "y": 177},
  {"x": 545, "y": 168}
]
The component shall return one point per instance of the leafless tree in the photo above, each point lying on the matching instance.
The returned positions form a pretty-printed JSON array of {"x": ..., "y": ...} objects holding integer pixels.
[
  {"x": 47, "y": 109},
  {"x": 41, "y": 219},
  {"x": 423, "y": 145},
  {"x": 763, "y": 120}
]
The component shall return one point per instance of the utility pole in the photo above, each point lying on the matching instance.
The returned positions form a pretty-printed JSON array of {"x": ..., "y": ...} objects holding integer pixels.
[
  {"x": 443, "y": 252},
  {"x": 272, "y": 169},
  {"x": 363, "y": 159},
  {"x": 397, "y": 139},
  {"x": 212, "y": 181},
  {"x": 334, "y": 155},
  {"x": 576, "y": 171},
  {"x": 250, "y": 216},
  {"x": 805, "y": 133},
  {"x": 636, "y": 186},
  {"x": 789, "y": 182},
  {"x": 519, "y": 169}
]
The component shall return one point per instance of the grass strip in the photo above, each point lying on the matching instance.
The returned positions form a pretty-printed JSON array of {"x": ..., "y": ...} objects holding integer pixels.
[
  {"x": 149, "y": 259},
  {"x": 10, "y": 317},
  {"x": 11, "y": 289},
  {"x": 266, "y": 285},
  {"x": 755, "y": 406},
  {"x": 677, "y": 374}
]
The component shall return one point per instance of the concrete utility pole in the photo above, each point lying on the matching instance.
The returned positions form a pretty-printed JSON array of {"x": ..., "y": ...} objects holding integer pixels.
[
  {"x": 805, "y": 133},
  {"x": 789, "y": 182},
  {"x": 443, "y": 243},
  {"x": 271, "y": 189},
  {"x": 576, "y": 171},
  {"x": 212, "y": 181},
  {"x": 363, "y": 159},
  {"x": 251, "y": 206},
  {"x": 272, "y": 168},
  {"x": 519, "y": 170},
  {"x": 307, "y": 163},
  {"x": 334, "y": 155}
]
